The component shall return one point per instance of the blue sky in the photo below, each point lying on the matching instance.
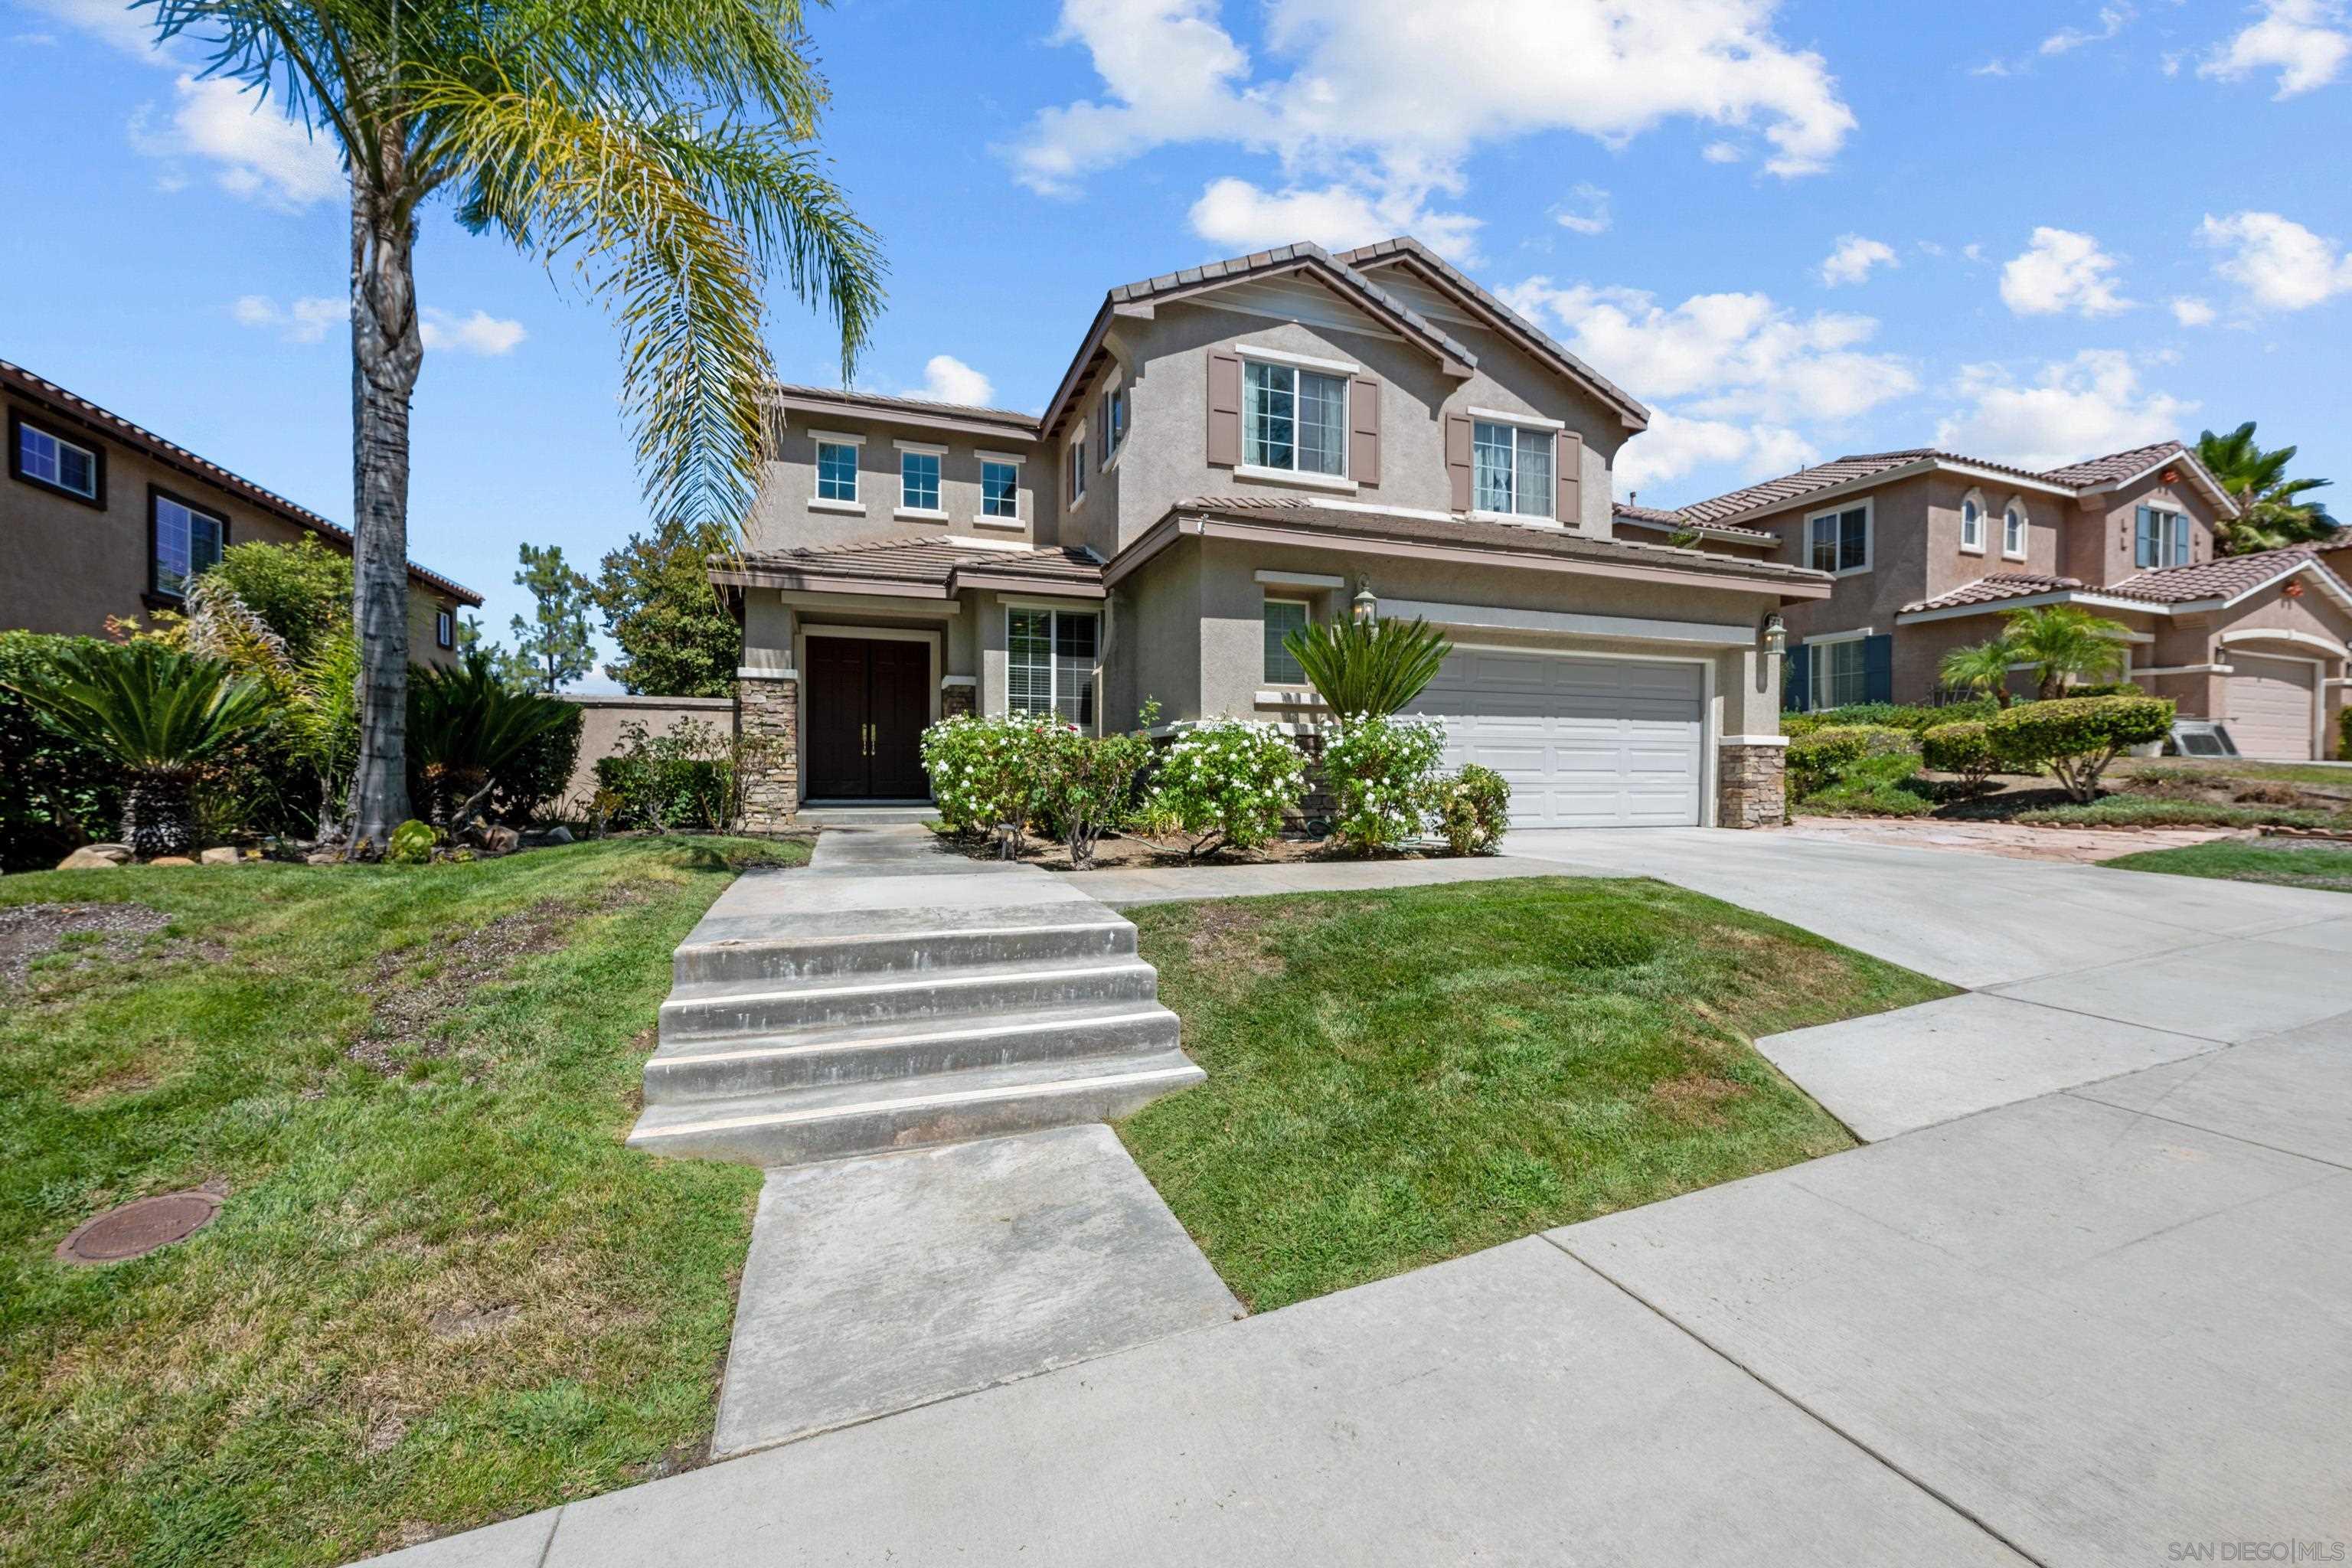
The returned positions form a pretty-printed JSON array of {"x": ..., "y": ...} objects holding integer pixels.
[{"x": 2029, "y": 232}]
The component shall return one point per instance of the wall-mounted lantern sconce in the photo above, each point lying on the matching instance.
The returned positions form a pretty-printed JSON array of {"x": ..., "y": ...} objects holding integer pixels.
[
  {"x": 1776, "y": 635},
  {"x": 1367, "y": 607}
]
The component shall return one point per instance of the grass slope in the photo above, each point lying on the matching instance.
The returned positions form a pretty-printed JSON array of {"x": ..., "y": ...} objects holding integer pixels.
[
  {"x": 1403, "y": 1077},
  {"x": 440, "y": 1292},
  {"x": 2325, "y": 867}
]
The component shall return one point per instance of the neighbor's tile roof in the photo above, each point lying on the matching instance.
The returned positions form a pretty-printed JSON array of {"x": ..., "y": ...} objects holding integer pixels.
[
  {"x": 2223, "y": 578},
  {"x": 931, "y": 560},
  {"x": 2115, "y": 467},
  {"x": 105, "y": 421},
  {"x": 1657, "y": 517},
  {"x": 1803, "y": 483},
  {"x": 1992, "y": 590},
  {"x": 1502, "y": 538}
]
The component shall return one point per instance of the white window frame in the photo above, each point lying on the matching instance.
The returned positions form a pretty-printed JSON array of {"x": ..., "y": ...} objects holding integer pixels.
[
  {"x": 445, "y": 628},
  {"x": 27, "y": 427},
  {"x": 1869, "y": 533},
  {"x": 2164, "y": 535},
  {"x": 1306, "y": 609},
  {"x": 1341, "y": 371},
  {"x": 1053, "y": 661},
  {"x": 1814, "y": 687},
  {"x": 983, "y": 516},
  {"x": 2023, "y": 529},
  {"x": 818, "y": 500},
  {"x": 1517, "y": 422},
  {"x": 921, "y": 450},
  {"x": 1973, "y": 539},
  {"x": 1073, "y": 480}
]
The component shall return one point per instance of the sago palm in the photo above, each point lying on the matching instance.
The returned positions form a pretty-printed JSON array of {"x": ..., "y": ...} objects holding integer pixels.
[
  {"x": 468, "y": 727},
  {"x": 659, "y": 147},
  {"x": 158, "y": 714},
  {"x": 2271, "y": 514},
  {"x": 1979, "y": 668},
  {"x": 1366, "y": 669},
  {"x": 2066, "y": 643}
]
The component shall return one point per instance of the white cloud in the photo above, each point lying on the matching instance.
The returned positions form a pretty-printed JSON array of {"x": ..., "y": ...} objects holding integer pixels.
[
  {"x": 1855, "y": 256},
  {"x": 1366, "y": 109},
  {"x": 480, "y": 334},
  {"x": 2192, "y": 311},
  {"x": 2305, "y": 41},
  {"x": 34, "y": 40},
  {"x": 304, "y": 320},
  {"x": 2112, "y": 19},
  {"x": 1674, "y": 447},
  {"x": 2280, "y": 264},
  {"x": 946, "y": 379},
  {"x": 2062, "y": 272},
  {"x": 110, "y": 21},
  {"x": 2072, "y": 409},
  {"x": 263, "y": 155},
  {"x": 1236, "y": 214},
  {"x": 1722, "y": 152},
  {"x": 1592, "y": 216}
]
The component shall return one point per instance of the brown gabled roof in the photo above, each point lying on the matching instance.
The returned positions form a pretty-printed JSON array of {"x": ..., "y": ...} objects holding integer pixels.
[
  {"x": 1804, "y": 482},
  {"x": 1992, "y": 590},
  {"x": 2116, "y": 467},
  {"x": 2225, "y": 578},
  {"x": 919, "y": 410},
  {"x": 943, "y": 562},
  {"x": 113, "y": 426},
  {"x": 1675, "y": 521}
]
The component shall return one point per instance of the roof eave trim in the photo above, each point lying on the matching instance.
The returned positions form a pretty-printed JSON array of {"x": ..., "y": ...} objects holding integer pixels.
[
  {"x": 2034, "y": 602},
  {"x": 2183, "y": 458},
  {"x": 849, "y": 409},
  {"x": 827, "y": 583}
]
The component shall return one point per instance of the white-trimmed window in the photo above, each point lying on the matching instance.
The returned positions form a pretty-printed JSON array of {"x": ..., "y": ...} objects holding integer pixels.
[
  {"x": 1049, "y": 663},
  {"x": 918, "y": 478},
  {"x": 2160, "y": 538},
  {"x": 837, "y": 469},
  {"x": 1000, "y": 487},
  {"x": 1838, "y": 540},
  {"x": 1294, "y": 418},
  {"x": 1839, "y": 676},
  {"x": 1077, "y": 465},
  {"x": 187, "y": 542},
  {"x": 445, "y": 628},
  {"x": 2012, "y": 530},
  {"x": 1972, "y": 523},
  {"x": 1284, "y": 617},
  {"x": 1511, "y": 468},
  {"x": 50, "y": 459}
]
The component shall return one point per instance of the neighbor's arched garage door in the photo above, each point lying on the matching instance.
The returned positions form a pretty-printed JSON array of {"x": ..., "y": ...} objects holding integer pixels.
[
  {"x": 1585, "y": 742},
  {"x": 2272, "y": 706}
]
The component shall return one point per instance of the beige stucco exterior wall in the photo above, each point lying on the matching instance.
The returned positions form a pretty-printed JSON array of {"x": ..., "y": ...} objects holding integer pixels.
[
  {"x": 783, "y": 519},
  {"x": 2099, "y": 536}
]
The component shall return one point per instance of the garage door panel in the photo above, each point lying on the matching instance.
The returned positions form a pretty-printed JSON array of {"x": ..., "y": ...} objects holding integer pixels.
[
  {"x": 1584, "y": 742},
  {"x": 2270, "y": 705}
]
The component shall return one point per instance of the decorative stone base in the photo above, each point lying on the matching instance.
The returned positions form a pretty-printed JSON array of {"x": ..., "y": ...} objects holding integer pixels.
[
  {"x": 767, "y": 728},
  {"x": 958, "y": 699},
  {"x": 1750, "y": 785}
]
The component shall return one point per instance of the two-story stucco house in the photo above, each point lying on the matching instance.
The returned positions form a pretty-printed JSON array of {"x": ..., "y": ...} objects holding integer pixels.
[
  {"x": 1929, "y": 550},
  {"x": 100, "y": 517},
  {"x": 1237, "y": 449}
]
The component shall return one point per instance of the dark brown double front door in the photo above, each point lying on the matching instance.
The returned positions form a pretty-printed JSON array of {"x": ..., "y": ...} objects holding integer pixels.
[{"x": 868, "y": 700}]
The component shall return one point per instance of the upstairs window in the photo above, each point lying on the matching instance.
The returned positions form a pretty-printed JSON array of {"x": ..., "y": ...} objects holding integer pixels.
[
  {"x": 52, "y": 460},
  {"x": 1050, "y": 664},
  {"x": 445, "y": 629},
  {"x": 1000, "y": 488},
  {"x": 2160, "y": 540},
  {"x": 1972, "y": 524},
  {"x": 836, "y": 470},
  {"x": 918, "y": 480},
  {"x": 1511, "y": 469},
  {"x": 1283, "y": 617},
  {"x": 1839, "y": 541},
  {"x": 1294, "y": 419},
  {"x": 1078, "y": 465},
  {"x": 187, "y": 543},
  {"x": 2012, "y": 531}
]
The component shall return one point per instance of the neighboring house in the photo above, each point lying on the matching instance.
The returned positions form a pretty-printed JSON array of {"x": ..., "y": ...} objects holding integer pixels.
[
  {"x": 1931, "y": 549},
  {"x": 102, "y": 518},
  {"x": 1237, "y": 449}
]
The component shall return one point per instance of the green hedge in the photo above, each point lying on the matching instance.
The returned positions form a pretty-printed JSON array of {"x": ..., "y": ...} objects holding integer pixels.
[
  {"x": 667, "y": 791},
  {"x": 1820, "y": 757},
  {"x": 2344, "y": 735},
  {"x": 1889, "y": 715},
  {"x": 58, "y": 794},
  {"x": 2076, "y": 737}
]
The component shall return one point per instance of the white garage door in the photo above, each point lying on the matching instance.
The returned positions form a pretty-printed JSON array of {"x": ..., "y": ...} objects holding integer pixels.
[
  {"x": 2270, "y": 706},
  {"x": 1585, "y": 742}
]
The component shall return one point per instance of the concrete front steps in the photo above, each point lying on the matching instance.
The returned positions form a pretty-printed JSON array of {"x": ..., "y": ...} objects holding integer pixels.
[{"x": 837, "y": 1032}]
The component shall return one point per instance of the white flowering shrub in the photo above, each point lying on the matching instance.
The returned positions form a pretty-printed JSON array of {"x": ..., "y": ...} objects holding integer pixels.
[
  {"x": 1382, "y": 773},
  {"x": 984, "y": 772},
  {"x": 1224, "y": 784}
]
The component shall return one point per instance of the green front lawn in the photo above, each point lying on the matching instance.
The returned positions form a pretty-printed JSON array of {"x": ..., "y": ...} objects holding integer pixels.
[
  {"x": 440, "y": 1291},
  {"x": 1399, "y": 1078},
  {"x": 2326, "y": 867}
]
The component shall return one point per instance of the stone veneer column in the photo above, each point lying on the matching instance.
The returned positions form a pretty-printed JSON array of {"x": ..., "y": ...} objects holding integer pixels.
[
  {"x": 1751, "y": 782},
  {"x": 766, "y": 723},
  {"x": 958, "y": 698}
]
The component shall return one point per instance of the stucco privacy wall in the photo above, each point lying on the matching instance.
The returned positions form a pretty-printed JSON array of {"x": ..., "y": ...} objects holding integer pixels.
[
  {"x": 603, "y": 717},
  {"x": 783, "y": 518}
]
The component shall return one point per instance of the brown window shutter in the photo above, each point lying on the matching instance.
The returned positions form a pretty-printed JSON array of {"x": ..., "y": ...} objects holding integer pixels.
[
  {"x": 1570, "y": 464},
  {"x": 1364, "y": 430},
  {"x": 1457, "y": 458},
  {"x": 1225, "y": 410}
]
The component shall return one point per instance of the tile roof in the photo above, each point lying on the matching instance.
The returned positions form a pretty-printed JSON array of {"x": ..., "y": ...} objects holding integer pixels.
[
  {"x": 883, "y": 404},
  {"x": 2115, "y": 467},
  {"x": 16, "y": 378},
  {"x": 2225, "y": 577},
  {"x": 1992, "y": 590},
  {"x": 1803, "y": 483},
  {"x": 935, "y": 561},
  {"x": 1657, "y": 517},
  {"x": 1502, "y": 538},
  {"x": 1280, "y": 258}
]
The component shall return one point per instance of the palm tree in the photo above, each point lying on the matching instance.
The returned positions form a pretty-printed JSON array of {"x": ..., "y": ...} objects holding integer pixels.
[
  {"x": 2270, "y": 512},
  {"x": 2066, "y": 643},
  {"x": 158, "y": 714},
  {"x": 659, "y": 146},
  {"x": 1367, "y": 670},
  {"x": 1981, "y": 667}
]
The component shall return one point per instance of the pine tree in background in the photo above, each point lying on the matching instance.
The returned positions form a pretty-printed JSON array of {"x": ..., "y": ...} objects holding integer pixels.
[
  {"x": 553, "y": 647},
  {"x": 675, "y": 634}
]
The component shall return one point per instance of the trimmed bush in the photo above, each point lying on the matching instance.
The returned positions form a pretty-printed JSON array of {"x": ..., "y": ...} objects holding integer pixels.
[
  {"x": 682, "y": 779},
  {"x": 61, "y": 793},
  {"x": 1226, "y": 784},
  {"x": 1381, "y": 773},
  {"x": 1876, "y": 787},
  {"x": 983, "y": 772},
  {"x": 2344, "y": 735},
  {"x": 1085, "y": 783},
  {"x": 1820, "y": 758},
  {"x": 1887, "y": 715},
  {"x": 1965, "y": 748},
  {"x": 1472, "y": 809},
  {"x": 539, "y": 772},
  {"x": 2076, "y": 738}
]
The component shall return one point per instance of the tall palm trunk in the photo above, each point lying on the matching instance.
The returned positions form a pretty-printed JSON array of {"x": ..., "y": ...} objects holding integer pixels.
[{"x": 388, "y": 350}]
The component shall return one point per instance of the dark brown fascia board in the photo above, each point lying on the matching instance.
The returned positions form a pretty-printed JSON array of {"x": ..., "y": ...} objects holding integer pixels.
[
  {"x": 1042, "y": 589},
  {"x": 1630, "y": 413},
  {"x": 1144, "y": 548},
  {"x": 846, "y": 409},
  {"x": 821, "y": 583}
]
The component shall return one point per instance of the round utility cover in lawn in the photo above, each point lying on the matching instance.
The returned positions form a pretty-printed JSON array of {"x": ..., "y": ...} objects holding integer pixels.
[{"x": 139, "y": 1227}]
